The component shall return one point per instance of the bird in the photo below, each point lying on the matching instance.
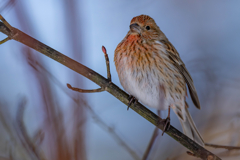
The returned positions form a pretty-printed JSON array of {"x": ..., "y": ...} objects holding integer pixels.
[{"x": 151, "y": 71}]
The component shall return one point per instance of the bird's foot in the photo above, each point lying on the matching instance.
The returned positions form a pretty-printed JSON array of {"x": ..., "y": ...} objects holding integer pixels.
[
  {"x": 131, "y": 100},
  {"x": 167, "y": 122}
]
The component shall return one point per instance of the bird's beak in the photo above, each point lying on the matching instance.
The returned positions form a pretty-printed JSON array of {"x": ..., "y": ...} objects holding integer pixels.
[{"x": 135, "y": 28}]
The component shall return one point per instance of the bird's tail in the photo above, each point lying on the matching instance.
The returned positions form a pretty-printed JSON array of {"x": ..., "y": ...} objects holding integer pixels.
[{"x": 190, "y": 129}]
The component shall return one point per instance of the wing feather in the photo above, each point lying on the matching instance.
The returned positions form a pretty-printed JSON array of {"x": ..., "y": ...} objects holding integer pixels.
[{"x": 173, "y": 54}]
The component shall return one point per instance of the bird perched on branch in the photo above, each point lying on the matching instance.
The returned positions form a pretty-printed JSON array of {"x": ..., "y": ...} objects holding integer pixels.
[{"x": 151, "y": 71}]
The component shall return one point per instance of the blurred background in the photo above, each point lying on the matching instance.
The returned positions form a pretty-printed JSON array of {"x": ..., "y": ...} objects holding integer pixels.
[{"x": 40, "y": 118}]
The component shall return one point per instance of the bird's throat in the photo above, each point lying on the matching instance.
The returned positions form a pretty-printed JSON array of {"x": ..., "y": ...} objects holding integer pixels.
[{"x": 133, "y": 37}]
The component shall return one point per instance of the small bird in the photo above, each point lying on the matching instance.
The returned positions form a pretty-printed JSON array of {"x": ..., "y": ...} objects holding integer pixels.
[{"x": 151, "y": 71}]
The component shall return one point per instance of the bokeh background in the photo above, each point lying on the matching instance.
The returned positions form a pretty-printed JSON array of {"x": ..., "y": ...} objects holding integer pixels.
[{"x": 40, "y": 118}]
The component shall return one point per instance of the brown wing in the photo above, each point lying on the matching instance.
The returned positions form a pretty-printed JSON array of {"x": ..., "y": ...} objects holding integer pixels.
[{"x": 173, "y": 54}]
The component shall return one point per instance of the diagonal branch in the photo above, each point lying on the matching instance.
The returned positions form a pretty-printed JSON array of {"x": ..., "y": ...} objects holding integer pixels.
[{"x": 21, "y": 37}]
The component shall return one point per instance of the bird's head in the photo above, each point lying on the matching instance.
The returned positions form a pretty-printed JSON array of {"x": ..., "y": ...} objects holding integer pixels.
[{"x": 145, "y": 27}]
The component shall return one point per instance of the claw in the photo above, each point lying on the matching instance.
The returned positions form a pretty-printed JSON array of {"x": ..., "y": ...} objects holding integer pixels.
[
  {"x": 167, "y": 125},
  {"x": 167, "y": 122},
  {"x": 131, "y": 100}
]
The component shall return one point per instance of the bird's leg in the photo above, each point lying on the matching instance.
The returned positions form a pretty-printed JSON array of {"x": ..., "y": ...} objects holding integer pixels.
[
  {"x": 131, "y": 100},
  {"x": 167, "y": 122}
]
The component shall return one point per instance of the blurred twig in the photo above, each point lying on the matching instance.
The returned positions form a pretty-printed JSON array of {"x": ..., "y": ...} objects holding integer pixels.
[
  {"x": 4, "y": 158},
  {"x": 151, "y": 142},
  {"x": 198, "y": 150},
  {"x": 72, "y": 19},
  {"x": 25, "y": 139},
  {"x": 38, "y": 67},
  {"x": 55, "y": 137},
  {"x": 5, "y": 123},
  {"x": 7, "y": 4}
]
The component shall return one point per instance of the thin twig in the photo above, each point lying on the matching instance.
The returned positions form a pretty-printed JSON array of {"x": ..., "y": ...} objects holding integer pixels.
[
  {"x": 85, "y": 90},
  {"x": 107, "y": 63},
  {"x": 109, "y": 87},
  {"x": 151, "y": 142},
  {"x": 222, "y": 146},
  {"x": 99, "y": 89},
  {"x": 5, "y": 40}
]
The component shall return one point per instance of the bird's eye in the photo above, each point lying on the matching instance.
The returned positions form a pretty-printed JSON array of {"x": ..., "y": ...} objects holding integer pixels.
[{"x": 147, "y": 27}]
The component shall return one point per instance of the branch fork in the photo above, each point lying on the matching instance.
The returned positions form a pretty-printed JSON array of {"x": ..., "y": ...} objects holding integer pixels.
[
  {"x": 13, "y": 33},
  {"x": 108, "y": 77}
]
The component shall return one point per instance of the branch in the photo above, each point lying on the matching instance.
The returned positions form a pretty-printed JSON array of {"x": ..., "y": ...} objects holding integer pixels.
[{"x": 21, "y": 37}]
